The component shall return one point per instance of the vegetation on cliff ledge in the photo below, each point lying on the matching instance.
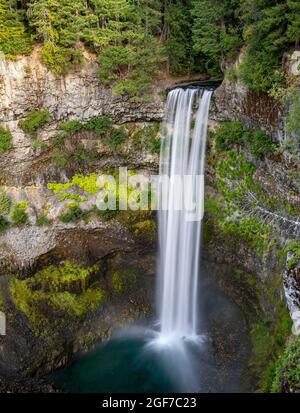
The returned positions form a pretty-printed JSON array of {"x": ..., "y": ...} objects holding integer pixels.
[
  {"x": 287, "y": 371},
  {"x": 57, "y": 293},
  {"x": 5, "y": 140},
  {"x": 133, "y": 40}
]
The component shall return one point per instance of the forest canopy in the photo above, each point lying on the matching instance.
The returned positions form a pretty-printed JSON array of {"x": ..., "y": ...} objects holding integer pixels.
[{"x": 135, "y": 39}]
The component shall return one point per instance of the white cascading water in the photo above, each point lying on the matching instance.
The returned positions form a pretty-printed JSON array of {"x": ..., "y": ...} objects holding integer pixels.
[{"x": 182, "y": 154}]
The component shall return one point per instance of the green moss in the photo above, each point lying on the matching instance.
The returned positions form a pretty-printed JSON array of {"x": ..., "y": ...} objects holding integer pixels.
[
  {"x": 34, "y": 120},
  {"x": 53, "y": 295},
  {"x": 268, "y": 339},
  {"x": 293, "y": 247},
  {"x": 2, "y": 301},
  {"x": 5, "y": 140},
  {"x": 5, "y": 203},
  {"x": 19, "y": 215},
  {"x": 287, "y": 368},
  {"x": 123, "y": 280},
  {"x": 231, "y": 224},
  {"x": 145, "y": 230}
]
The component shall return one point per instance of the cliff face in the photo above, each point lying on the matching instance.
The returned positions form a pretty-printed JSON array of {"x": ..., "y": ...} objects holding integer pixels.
[
  {"x": 26, "y": 84},
  {"x": 25, "y": 171},
  {"x": 234, "y": 101}
]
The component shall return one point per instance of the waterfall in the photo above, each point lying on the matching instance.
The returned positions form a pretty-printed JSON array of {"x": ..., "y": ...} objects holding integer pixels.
[{"x": 182, "y": 155}]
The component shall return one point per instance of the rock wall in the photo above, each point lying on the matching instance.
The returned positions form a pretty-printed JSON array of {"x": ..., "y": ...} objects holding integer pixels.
[{"x": 234, "y": 101}]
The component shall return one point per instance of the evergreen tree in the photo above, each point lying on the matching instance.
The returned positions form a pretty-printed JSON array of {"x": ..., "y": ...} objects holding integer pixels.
[
  {"x": 216, "y": 32},
  {"x": 293, "y": 17},
  {"x": 13, "y": 37},
  {"x": 177, "y": 34},
  {"x": 265, "y": 35}
]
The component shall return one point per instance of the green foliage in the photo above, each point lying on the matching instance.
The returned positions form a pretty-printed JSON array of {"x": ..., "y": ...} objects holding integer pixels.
[
  {"x": 42, "y": 219},
  {"x": 34, "y": 120},
  {"x": 74, "y": 213},
  {"x": 269, "y": 31},
  {"x": 5, "y": 203},
  {"x": 233, "y": 133},
  {"x": 38, "y": 144},
  {"x": 133, "y": 39},
  {"x": 4, "y": 224},
  {"x": 71, "y": 127},
  {"x": 145, "y": 230},
  {"x": 116, "y": 138},
  {"x": 147, "y": 138},
  {"x": 19, "y": 215},
  {"x": 216, "y": 32},
  {"x": 292, "y": 142},
  {"x": 240, "y": 193},
  {"x": 59, "y": 59},
  {"x": 5, "y": 140},
  {"x": 99, "y": 124},
  {"x": 293, "y": 247},
  {"x": 69, "y": 151},
  {"x": 123, "y": 280},
  {"x": 60, "y": 159},
  {"x": 287, "y": 369},
  {"x": 268, "y": 341},
  {"x": 13, "y": 37},
  {"x": 177, "y": 29},
  {"x": 53, "y": 295}
]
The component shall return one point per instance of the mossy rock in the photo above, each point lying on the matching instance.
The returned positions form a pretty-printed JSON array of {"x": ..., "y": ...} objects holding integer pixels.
[
  {"x": 123, "y": 280},
  {"x": 56, "y": 295},
  {"x": 145, "y": 230},
  {"x": 287, "y": 370}
]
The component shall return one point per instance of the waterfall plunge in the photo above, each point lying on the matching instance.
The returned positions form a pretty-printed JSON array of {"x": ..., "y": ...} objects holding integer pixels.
[{"x": 182, "y": 154}]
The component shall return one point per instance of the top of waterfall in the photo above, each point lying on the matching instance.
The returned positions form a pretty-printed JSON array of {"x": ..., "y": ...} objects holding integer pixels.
[{"x": 205, "y": 84}]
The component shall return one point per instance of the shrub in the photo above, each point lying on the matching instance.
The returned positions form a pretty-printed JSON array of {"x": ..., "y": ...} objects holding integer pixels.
[
  {"x": 81, "y": 154},
  {"x": 34, "y": 120},
  {"x": 74, "y": 213},
  {"x": 4, "y": 224},
  {"x": 99, "y": 124},
  {"x": 60, "y": 159},
  {"x": 292, "y": 142},
  {"x": 147, "y": 138},
  {"x": 261, "y": 145},
  {"x": 39, "y": 144},
  {"x": 42, "y": 219},
  {"x": 18, "y": 214},
  {"x": 5, "y": 140},
  {"x": 287, "y": 371},
  {"x": 229, "y": 133},
  {"x": 5, "y": 203},
  {"x": 293, "y": 247},
  {"x": 233, "y": 133},
  {"x": 116, "y": 139},
  {"x": 72, "y": 126}
]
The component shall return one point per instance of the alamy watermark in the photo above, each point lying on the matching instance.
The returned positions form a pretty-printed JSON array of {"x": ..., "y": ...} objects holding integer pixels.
[{"x": 137, "y": 192}]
